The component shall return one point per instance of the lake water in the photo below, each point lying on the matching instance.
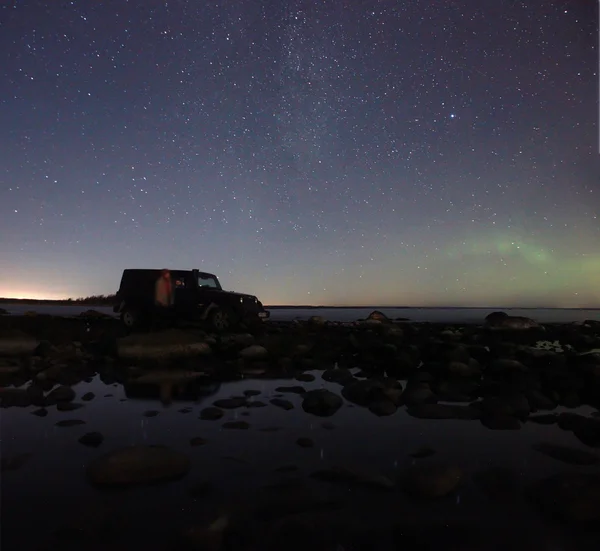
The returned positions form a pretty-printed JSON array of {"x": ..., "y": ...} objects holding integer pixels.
[
  {"x": 50, "y": 490},
  {"x": 443, "y": 315}
]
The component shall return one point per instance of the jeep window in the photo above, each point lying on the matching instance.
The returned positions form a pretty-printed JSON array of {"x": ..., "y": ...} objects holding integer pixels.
[{"x": 204, "y": 281}]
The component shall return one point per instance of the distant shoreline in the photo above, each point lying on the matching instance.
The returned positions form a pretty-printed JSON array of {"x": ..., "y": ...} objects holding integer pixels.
[{"x": 92, "y": 303}]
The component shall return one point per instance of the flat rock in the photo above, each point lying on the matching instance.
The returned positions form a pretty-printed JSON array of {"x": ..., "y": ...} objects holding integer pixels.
[{"x": 137, "y": 465}]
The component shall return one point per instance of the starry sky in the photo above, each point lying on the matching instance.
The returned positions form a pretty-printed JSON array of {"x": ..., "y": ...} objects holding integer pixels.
[{"x": 347, "y": 152}]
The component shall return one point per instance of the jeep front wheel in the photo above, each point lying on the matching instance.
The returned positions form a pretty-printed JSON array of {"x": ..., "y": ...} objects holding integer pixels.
[{"x": 219, "y": 320}]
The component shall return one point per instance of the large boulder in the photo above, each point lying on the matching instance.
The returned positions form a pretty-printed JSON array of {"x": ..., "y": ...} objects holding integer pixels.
[{"x": 17, "y": 343}]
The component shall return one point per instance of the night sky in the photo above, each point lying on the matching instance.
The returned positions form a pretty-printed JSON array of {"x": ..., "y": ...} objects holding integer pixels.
[{"x": 418, "y": 152}]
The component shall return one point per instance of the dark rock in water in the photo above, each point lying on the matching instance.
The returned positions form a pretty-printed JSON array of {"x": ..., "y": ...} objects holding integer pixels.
[
  {"x": 431, "y": 481},
  {"x": 291, "y": 389},
  {"x": 566, "y": 454},
  {"x": 572, "y": 497},
  {"x": 443, "y": 411},
  {"x": 250, "y": 393},
  {"x": 283, "y": 404},
  {"x": 14, "y": 397},
  {"x": 586, "y": 429},
  {"x": 137, "y": 465},
  {"x": 350, "y": 476},
  {"x": 321, "y": 402},
  {"x": 305, "y": 377},
  {"x": 41, "y": 412},
  {"x": 14, "y": 463},
  {"x": 211, "y": 414},
  {"x": 231, "y": 403},
  {"x": 68, "y": 406},
  {"x": 88, "y": 396},
  {"x": 69, "y": 423},
  {"x": 381, "y": 394},
  {"x": 422, "y": 452},
  {"x": 544, "y": 419},
  {"x": 515, "y": 323},
  {"x": 92, "y": 439},
  {"x": 256, "y": 404},
  {"x": 151, "y": 413},
  {"x": 240, "y": 425}
]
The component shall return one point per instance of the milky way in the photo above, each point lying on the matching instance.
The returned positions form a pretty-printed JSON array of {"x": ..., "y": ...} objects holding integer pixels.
[{"x": 356, "y": 152}]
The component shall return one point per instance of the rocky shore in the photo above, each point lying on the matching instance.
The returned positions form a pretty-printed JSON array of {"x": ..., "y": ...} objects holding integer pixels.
[{"x": 502, "y": 374}]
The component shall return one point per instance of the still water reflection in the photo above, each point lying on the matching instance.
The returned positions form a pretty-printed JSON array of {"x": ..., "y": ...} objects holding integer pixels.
[{"x": 50, "y": 489}]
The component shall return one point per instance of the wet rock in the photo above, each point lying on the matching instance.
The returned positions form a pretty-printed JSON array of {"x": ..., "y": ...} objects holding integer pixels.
[
  {"x": 200, "y": 489},
  {"x": 254, "y": 352},
  {"x": 515, "y": 405},
  {"x": 91, "y": 439},
  {"x": 424, "y": 535},
  {"x": 291, "y": 389},
  {"x": 211, "y": 414},
  {"x": 443, "y": 411},
  {"x": 586, "y": 429},
  {"x": 239, "y": 425},
  {"x": 283, "y": 404},
  {"x": 538, "y": 400},
  {"x": 544, "y": 419},
  {"x": 256, "y": 404},
  {"x": 14, "y": 462},
  {"x": 572, "y": 497},
  {"x": 418, "y": 393},
  {"x": 151, "y": 413},
  {"x": 371, "y": 391},
  {"x": 197, "y": 441},
  {"x": 462, "y": 369},
  {"x": 566, "y": 454},
  {"x": 184, "y": 410},
  {"x": 137, "y": 465},
  {"x": 14, "y": 397},
  {"x": 206, "y": 538},
  {"x": 88, "y": 396},
  {"x": 68, "y": 406},
  {"x": 317, "y": 321},
  {"x": 500, "y": 422},
  {"x": 348, "y": 475},
  {"x": 231, "y": 403},
  {"x": 305, "y": 377},
  {"x": 321, "y": 402},
  {"x": 382, "y": 407},
  {"x": 379, "y": 316},
  {"x": 250, "y": 393},
  {"x": 431, "y": 481},
  {"x": 422, "y": 452},
  {"x": 305, "y": 443},
  {"x": 338, "y": 375},
  {"x": 69, "y": 423},
  {"x": 41, "y": 412}
]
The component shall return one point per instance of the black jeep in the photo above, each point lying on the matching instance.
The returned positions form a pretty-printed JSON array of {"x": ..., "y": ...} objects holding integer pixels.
[{"x": 197, "y": 297}]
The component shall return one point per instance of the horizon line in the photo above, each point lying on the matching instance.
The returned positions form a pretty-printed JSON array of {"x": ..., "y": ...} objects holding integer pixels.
[{"x": 7, "y": 300}]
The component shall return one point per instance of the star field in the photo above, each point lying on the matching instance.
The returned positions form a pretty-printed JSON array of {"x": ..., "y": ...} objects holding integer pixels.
[{"x": 378, "y": 152}]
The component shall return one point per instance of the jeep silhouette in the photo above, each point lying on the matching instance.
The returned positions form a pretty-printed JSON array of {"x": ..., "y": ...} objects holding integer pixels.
[{"x": 197, "y": 297}]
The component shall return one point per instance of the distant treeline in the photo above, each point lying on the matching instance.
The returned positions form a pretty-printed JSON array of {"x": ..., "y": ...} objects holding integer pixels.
[{"x": 95, "y": 300}]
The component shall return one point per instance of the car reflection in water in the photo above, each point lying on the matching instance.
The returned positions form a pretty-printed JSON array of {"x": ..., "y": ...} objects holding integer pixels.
[{"x": 169, "y": 391}]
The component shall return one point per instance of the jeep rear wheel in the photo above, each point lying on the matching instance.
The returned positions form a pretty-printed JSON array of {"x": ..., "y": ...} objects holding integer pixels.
[
  {"x": 220, "y": 320},
  {"x": 130, "y": 319}
]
